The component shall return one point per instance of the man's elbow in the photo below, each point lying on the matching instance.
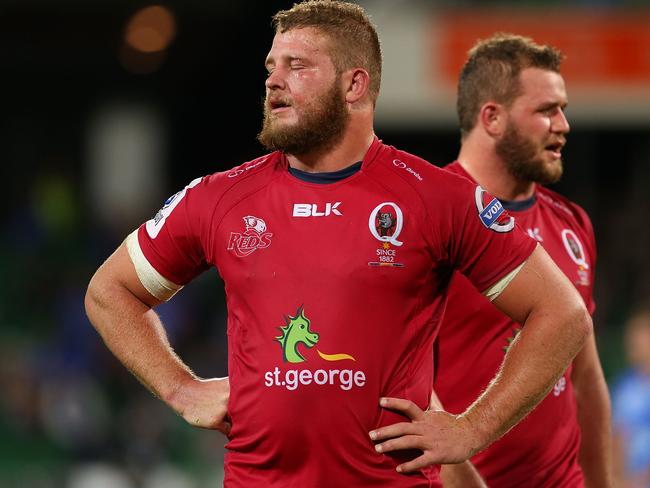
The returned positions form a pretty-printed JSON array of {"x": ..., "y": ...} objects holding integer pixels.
[
  {"x": 92, "y": 300},
  {"x": 581, "y": 323},
  {"x": 97, "y": 299}
]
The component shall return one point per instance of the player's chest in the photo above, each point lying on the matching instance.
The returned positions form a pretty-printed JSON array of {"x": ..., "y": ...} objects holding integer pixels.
[
  {"x": 361, "y": 236},
  {"x": 566, "y": 244}
]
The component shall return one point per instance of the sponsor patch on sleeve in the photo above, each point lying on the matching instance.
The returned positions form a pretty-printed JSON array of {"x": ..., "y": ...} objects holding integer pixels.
[
  {"x": 491, "y": 212},
  {"x": 154, "y": 225}
]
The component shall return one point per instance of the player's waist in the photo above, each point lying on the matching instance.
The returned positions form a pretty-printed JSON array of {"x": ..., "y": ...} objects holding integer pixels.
[{"x": 332, "y": 466}]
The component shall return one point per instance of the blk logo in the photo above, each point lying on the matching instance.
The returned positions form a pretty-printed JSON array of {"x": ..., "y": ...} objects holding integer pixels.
[{"x": 312, "y": 210}]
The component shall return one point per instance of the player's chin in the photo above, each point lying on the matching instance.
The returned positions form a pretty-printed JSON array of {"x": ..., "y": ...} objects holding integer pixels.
[
  {"x": 550, "y": 159},
  {"x": 553, "y": 169},
  {"x": 283, "y": 123},
  {"x": 557, "y": 163}
]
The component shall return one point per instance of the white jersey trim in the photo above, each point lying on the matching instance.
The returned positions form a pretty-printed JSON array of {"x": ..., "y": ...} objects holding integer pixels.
[
  {"x": 495, "y": 290},
  {"x": 155, "y": 283}
]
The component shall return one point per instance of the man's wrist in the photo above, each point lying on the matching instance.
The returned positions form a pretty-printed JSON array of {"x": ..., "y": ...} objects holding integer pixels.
[
  {"x": 174, "y": 393},
  {"x": 475, "y": 438}
]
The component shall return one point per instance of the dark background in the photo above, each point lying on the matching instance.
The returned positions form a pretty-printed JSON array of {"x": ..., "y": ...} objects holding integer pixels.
[{"x": 69, "y": 412}]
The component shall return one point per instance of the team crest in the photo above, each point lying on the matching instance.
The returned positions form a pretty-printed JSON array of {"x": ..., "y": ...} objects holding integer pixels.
[
  {"x": 574, "y": 248},
  {"x": 576, "y": 252},
  {"x": 491, "y": 212},
  {"x": 253, "y": 238},
  {"x": 385, "y": 223}
]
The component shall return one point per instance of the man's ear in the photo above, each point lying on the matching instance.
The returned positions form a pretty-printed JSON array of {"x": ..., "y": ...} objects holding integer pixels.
[
  {"x": 493, "y": 118},
  {"x": 356, "y": 83}
]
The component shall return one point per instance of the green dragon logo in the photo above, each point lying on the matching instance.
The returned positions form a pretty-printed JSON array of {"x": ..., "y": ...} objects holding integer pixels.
[{"x": 296, "y": 331}]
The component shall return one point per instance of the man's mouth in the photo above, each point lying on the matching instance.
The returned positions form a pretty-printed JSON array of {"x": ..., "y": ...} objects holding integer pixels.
[
  {"x": 555, "y": 149},
  {"x": 278, "y": 105}
]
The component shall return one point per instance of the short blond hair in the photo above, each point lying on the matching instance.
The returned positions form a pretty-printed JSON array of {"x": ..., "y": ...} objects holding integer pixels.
[{"x": 353, "y": 37}]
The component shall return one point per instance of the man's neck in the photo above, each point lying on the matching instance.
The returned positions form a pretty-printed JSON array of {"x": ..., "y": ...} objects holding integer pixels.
[
  {"x": 351, "y": 149},
  {"x": 489, "y": 171}
]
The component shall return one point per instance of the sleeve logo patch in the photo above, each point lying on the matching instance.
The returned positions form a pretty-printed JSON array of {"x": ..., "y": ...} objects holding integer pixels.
[
  {"x": 491, "y": 212},
  {"x": 154, "y": 225}
]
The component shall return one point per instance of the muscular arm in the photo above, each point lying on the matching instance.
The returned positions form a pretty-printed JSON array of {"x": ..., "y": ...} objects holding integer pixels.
[
  {"x": 120, "y": 308},
  {"x": 594, "y": 414},
  {"x": 556, "y": 325}
]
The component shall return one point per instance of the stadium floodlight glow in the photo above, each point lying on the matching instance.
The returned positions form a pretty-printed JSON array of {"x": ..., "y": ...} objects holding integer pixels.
[
  {"x": 150, "y": 29},
  {"x": 147, "y": 35}
]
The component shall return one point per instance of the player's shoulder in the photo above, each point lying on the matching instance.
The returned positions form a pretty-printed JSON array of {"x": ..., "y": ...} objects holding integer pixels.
[
  {"x": 427, "y": 179},
  {"x": 564, "y": 208},
  {"x": 203, "y": 195},
  {"x": 235, "y": 182},
  {"x": 250, "y": 173}
]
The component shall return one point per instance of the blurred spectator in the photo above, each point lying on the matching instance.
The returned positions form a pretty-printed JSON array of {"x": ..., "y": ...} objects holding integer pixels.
[{"x": 631, "y": 406}]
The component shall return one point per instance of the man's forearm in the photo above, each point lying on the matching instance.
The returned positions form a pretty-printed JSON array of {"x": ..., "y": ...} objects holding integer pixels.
[
  {"x": 527, "y": 374},
  {"x": 555, "y": 326},
  {"x": 594, "y": 417},
  {"x": 135, "y": 335}
]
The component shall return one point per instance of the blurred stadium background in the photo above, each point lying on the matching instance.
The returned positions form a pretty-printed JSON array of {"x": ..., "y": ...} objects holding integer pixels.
[{"x": 108, "y": 107}]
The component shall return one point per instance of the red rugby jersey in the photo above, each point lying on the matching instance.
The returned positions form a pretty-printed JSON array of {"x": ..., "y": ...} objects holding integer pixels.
[
  {"x": 335, "y": 294},
  {"x": 542, "y": 450}
]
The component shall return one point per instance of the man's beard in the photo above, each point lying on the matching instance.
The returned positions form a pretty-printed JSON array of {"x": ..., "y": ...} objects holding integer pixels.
[
  {"x": 320, "y": 125},
  {"x": 519, "y": 155}
]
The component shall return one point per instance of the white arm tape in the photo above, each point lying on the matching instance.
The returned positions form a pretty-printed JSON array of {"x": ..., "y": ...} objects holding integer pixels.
[
  {"x": 495, "y": 290},
  {"x": 155, "y": 283}
]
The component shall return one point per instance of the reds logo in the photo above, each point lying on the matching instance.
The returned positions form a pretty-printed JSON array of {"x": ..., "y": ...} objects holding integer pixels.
[{"x": 253, "y": 238}]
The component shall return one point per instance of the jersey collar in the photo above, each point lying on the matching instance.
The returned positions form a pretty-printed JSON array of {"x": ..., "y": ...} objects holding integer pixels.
[{"x": 339, "y": 175}]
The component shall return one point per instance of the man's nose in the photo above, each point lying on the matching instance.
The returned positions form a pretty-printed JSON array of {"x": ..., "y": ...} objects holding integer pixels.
[
  {"x": 275, "y": 80},
  {"x": 560, "y": 123}
]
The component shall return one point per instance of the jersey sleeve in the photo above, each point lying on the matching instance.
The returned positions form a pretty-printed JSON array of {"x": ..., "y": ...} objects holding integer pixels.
[
  {"x": 169, "y": 250},
  {"x": 483, "y": 242}
]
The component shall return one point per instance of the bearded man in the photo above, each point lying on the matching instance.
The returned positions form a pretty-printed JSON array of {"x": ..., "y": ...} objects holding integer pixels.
[
  {"x": 511, "y": 102},
  {"x": 332, "y": 315}
]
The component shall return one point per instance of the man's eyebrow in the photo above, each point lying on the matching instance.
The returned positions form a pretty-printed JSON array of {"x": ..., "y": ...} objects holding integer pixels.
[
  {"x": 549, "y": 105},
  {"x": 270, "y": 60}
]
